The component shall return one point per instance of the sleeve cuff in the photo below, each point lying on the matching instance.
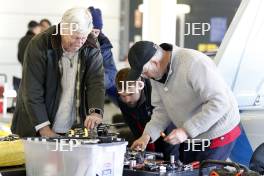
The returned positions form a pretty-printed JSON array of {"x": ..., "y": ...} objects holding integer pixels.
[{"x": 38, "y": 127}]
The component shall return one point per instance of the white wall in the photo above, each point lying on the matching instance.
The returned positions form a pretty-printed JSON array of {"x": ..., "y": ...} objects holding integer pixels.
[
  {"x": 159, "y": 21},
  {"x": 240, "y": 56},
  {"x": 15, "y": 15}
]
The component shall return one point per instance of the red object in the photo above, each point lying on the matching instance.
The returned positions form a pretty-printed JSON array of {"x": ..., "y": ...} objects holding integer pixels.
[
  {"x": 1, "y": 107},
  {"x": 1, "y": 91},
  {"x": 195, "y": 165},
  {"x": 226, "y": 139},
  {"x": 1, "y": 96},
  {"x": 151, "y": 146}
]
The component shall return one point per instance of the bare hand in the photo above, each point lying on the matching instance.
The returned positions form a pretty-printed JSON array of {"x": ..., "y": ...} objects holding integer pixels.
[
  {"x": 141, "y": 143},
  {"x": 92, "y": 120},
  {"x": 177, "y": 136},
  {"x": 47, "y": 132}
]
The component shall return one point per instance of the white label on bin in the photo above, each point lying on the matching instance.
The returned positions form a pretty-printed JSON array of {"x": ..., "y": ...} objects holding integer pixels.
[
  {"x": 107, "y": 169},
  {"x": 107, "y": 172}
]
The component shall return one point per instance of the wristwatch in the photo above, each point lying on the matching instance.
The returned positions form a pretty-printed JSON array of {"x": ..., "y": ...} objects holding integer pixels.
[{"x": 95, "y": 110}]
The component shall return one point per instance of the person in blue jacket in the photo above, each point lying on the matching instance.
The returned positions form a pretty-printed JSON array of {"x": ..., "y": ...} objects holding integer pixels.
[{"x": 108, "y": 61}]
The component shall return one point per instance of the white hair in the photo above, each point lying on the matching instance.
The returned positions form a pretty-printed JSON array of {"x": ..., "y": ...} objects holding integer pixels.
[
  {"x": 77, "y": 20},
  {"x": 159, "y": 53}
]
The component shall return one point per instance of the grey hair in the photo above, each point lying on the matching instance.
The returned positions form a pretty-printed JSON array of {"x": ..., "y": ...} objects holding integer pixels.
[
  {"x": 78, "y": 20},
  {"x": 159, "y": 52}
]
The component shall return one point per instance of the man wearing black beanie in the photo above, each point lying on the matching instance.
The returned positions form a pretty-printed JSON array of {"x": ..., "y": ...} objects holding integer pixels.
[{"x": 188, "y": 91}]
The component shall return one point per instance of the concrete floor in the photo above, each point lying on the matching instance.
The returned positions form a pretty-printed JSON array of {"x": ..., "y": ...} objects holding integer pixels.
[{"x": 110, "y": 110}]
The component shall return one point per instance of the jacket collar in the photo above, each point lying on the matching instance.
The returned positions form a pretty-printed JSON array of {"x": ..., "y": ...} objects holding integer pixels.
[
  {"x": 142, "y": 98},
  {"x": 56, "y": 40},
  {"x": 171, "y": 48},
  {"x": 104, "y": 41},
  {"x": 172, "y": 62}
]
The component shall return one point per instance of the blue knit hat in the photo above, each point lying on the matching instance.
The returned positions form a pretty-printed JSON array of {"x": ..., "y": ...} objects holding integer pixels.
[{"x": 97, "y": 17}]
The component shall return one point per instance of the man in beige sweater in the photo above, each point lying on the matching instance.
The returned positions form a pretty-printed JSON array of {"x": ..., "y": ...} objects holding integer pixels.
[{"x": 189, "y": 92}]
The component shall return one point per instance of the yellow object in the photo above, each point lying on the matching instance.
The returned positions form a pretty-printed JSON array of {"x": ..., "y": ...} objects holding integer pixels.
[
  {"x": 207, "y": 47},
  {"x": 4, "y": 129},
  {"x": 202, "y": 47},
  {"x": 11, "y": 153},
  {"x": 85, "y": 132},
  {"x": 3, "y": 133}
]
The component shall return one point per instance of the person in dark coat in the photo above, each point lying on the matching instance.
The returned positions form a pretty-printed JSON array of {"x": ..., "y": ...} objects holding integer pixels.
[
  {"x": 33, "y": 29},
  {"x": 63, "y": 80},
  {"x": 108, "y": 60},
  {"x": 136, "y": 108}
]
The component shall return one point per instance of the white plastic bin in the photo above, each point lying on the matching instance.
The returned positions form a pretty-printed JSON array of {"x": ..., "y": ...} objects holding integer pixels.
[{"x": 84, "y": 160}]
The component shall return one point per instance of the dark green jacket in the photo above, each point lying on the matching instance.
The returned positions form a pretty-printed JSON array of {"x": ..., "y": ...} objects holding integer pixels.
[
  {"x": 40, "y": 90},
  {"x": 22, "y": 45}
]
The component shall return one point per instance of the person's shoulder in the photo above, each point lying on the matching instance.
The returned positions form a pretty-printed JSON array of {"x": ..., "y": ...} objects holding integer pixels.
[
  {"x": 46, "y": 34},
  {"x": 104, "y": 41},
  {"x": 191, "y": 56},
  {"x": 188, "y": 53},
  {"x": 91, "y": 45},
  {"x": 25, "y": 38},
  {"x": 42, "y": 39}
]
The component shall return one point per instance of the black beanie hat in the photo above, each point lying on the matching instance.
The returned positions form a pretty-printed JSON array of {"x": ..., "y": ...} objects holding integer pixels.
[{"x": 139, "y": 54}]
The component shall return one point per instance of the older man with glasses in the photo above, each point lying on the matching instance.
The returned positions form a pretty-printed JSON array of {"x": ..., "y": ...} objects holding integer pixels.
[
  {"x": 188, "y": 91},
  {"x": 62, "y": 81}
]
